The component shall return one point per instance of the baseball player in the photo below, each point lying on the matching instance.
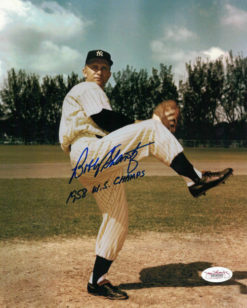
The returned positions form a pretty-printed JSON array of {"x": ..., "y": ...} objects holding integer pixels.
[{"x": 91, "y": 132}]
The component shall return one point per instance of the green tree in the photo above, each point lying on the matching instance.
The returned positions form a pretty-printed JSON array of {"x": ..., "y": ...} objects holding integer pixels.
[
  {"x": 21, "y": 97},
  {"x": 168, "y": 89},
  {"x": 234, "y": 99},
  {"x": 135, "y": 94},
  {"x": 31, "y": 107},
  {"x": 201, "y": 95},
  {"x": 54, "y": 90},
  {"x": 53, "y": 93}
]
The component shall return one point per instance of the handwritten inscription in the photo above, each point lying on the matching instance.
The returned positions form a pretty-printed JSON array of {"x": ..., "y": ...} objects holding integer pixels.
[
  {"x": 112, "y": 158},
  {"x": 76, "y": 195}
]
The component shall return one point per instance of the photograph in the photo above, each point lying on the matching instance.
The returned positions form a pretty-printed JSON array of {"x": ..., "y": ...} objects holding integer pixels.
[{"x": 123, "y": 153}]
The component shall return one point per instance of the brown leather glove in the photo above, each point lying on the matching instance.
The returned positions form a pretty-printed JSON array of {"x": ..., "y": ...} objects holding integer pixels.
[{"x": 168, "y": 113}]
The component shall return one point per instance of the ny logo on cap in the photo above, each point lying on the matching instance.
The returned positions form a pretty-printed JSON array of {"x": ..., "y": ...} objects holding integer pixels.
[{"x": 99, "y": 53}]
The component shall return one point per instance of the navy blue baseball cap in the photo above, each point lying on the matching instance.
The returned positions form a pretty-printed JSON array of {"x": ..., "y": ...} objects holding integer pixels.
[{"x": 98, "y": 54}]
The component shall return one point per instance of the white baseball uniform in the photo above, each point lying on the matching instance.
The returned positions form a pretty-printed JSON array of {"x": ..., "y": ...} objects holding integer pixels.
[{"x": 79, "y": 130}]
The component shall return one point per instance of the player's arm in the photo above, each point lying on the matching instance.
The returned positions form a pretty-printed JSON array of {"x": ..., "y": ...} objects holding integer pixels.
[{"x": 110, "y": 120}]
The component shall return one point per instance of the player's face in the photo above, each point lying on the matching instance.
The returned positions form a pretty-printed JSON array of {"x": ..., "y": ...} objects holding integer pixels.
[{"x": 98, "y": 71}]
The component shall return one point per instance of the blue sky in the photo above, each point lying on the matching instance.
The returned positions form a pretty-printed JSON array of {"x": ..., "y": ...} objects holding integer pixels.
[{"x": 53, "y": 37}]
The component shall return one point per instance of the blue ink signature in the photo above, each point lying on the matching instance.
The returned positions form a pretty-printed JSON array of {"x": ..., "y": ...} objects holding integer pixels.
[{"x": 113, "y": 157}]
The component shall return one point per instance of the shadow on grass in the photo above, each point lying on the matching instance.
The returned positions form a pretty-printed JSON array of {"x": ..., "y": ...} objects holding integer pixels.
[{"x": 181, "y": 275}]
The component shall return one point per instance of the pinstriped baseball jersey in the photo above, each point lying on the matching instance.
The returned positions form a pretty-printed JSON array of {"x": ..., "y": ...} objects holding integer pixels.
[
  {"x": 78, "y": 129},
  {"x": 82, "y": 101}
]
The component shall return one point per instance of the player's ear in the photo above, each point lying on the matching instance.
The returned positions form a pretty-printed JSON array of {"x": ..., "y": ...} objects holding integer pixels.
[{"x": 84, "y": 71}]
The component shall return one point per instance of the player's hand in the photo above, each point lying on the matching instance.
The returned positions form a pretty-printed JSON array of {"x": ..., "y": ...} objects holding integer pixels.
[{"x": 168, "y": 113}]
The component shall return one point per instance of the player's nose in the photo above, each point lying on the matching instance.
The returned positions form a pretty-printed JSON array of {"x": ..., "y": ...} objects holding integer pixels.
[{"x": 99, "y": 71}]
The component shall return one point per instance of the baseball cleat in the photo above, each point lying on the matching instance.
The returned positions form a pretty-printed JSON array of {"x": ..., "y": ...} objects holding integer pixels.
[
  {"x": 209, "y": 180},
  {"x": 106, "y": 289}
]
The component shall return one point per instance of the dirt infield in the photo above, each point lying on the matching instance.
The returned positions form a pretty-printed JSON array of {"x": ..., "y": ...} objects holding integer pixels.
[{"x": 157, "y": 270}]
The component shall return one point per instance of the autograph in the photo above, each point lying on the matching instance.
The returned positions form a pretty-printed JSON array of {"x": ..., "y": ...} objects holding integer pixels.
[{"x": 113, "y": 157}]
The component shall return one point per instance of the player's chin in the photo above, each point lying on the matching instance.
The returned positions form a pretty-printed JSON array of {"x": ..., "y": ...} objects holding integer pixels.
[{"x": 99, "y": 82}]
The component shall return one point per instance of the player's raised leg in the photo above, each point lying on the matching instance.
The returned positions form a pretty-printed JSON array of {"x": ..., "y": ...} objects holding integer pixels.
[{"x": 155, "y": 139}]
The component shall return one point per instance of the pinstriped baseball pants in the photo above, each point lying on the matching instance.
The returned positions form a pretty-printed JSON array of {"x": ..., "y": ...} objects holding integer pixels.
[{"x": 112, "y": 201}]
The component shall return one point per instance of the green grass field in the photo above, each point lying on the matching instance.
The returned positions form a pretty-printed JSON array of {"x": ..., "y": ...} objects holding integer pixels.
[{"x": 36, "y": 208}]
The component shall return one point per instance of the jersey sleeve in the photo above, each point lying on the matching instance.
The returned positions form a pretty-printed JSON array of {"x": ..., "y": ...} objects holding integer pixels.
[{"x": 80, "y": 103}]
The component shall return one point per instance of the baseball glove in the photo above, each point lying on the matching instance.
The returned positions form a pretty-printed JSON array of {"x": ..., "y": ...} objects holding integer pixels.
[{"x": 168, "y": 113}]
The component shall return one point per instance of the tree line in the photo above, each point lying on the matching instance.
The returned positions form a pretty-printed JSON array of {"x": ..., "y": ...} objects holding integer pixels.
[{"x": 212, "y": 99}]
